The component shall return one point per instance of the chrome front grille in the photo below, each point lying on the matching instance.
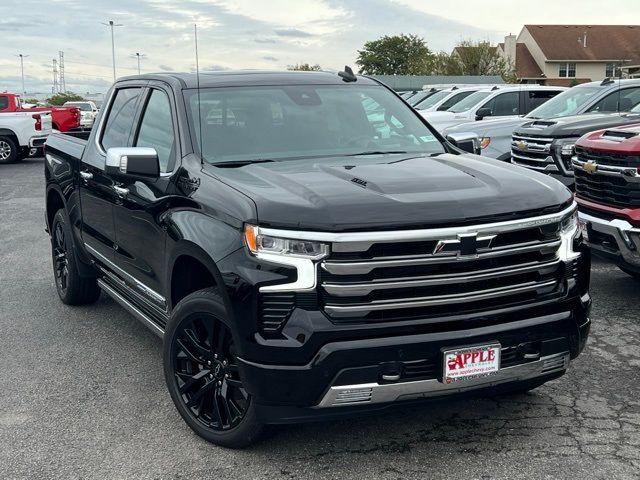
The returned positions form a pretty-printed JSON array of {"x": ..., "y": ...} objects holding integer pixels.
[
  {"x": 532, "y": 152},
  {"x": 607, "y": 177},
  {"x": 373, "y": 282}
]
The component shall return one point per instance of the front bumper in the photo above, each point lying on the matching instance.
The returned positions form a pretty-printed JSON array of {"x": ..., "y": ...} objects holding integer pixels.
[
  {"x": 352, "y": 376},
  {"x": 614, "y": 239}
]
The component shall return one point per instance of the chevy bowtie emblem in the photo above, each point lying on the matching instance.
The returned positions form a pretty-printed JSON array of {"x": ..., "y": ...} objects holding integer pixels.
[
  {"x": 466, "y": 245},
  {"x": 522, "y": 145},
  {"x": 590, "y": 167}
]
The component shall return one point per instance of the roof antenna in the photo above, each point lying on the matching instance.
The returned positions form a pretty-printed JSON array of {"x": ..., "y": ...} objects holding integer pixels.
[
  {"x": 347, "y": 74},
  {"x": 195, "y": 35}
]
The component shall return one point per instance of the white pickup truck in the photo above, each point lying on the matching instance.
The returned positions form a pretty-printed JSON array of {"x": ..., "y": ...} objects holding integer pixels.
[
  {"x": 21, "y": 132},
  {"x": 499, "y": 101}
]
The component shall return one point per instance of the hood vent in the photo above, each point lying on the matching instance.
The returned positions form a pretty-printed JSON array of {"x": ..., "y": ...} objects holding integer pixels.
[
  {"x": 618, "y": 135},
  {"x": 541, "y": 124}
]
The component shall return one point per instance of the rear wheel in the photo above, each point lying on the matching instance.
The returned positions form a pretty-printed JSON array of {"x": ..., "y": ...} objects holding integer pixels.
[
  {"x": 635, "y": 275},
  {"x": 72, "y": 288},
  {"x": 201, "y": 371},
  {"x": 8, "y": 150}
]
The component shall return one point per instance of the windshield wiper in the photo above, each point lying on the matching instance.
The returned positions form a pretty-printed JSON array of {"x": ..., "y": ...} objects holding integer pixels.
[
  {"x": 241, "y": 163},
  {"x": 376, "y": 152}
]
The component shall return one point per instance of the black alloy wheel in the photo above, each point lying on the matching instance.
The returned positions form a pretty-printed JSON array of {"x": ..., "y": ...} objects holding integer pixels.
[
  {"x": 60, "y": 258},
  {"x": 206, "y": 373}
]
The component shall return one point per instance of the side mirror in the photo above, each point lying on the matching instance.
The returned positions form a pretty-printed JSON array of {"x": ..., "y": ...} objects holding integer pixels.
[
  {"x": 483, "y": 112},
  {"x": 467, "y": 141},
  {"x": 140, "y": 162}
]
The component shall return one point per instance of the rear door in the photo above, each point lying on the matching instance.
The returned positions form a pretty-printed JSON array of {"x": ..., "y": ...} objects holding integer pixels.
[
  {"x": 97, "y": 192},
  {"x": 138, "y": 216}
]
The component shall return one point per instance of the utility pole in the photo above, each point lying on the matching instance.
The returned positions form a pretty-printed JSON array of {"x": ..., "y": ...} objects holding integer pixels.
[
  {"x": 113, "y": 47},
  {"x": 63, "y": 85},
  {"x": 22, "y": 57},
  {"x": 139, "y": 56},
  {"x": 55, "y": 87}
]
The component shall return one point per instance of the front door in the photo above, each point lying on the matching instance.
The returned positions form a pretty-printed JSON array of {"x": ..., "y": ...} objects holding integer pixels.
[{"x": 140, "y": 235}]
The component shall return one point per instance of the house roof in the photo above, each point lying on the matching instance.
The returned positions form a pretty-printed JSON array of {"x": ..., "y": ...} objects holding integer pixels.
[
  {"x": 526, "y": 66},
  {"x": 603, "y": 42}
]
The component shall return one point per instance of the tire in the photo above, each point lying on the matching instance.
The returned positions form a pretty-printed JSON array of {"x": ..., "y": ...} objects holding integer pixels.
[
  {"x": 635, "y": 275},
  {"x": 8, "y": 150},
  {"x": 72, "y": 288},
  {"x": 200, "y": 368}
]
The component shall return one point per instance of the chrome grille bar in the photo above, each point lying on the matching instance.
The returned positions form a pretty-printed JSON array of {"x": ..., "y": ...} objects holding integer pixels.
[
  {"x": 360, "y": 268},
  {"x": 401, "y": 303},
  {"x": 361, "y": 289}
]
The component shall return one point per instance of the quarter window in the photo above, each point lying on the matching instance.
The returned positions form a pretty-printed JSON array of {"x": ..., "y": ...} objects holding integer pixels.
[
  {"x": 120, "y": 120},
  {"x": 4, "y": 103},
  {"x": 567, "y": 70},
  {"x": 156, "y": 129}
]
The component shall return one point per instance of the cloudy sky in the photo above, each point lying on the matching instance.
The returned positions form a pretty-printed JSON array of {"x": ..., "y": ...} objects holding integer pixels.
[{"x": 267, "y": 34}]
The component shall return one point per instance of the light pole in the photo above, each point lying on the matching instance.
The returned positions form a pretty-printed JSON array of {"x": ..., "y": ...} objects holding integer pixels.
[
  {"x": 138, "y": 56},
  {"x": 22, "y": 57},
  {"x": 113, "y": 47}
]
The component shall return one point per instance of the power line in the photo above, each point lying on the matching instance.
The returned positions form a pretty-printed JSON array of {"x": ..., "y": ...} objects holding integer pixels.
[
  {"x": 63, "y": 85},
  {"x": 22, "y": 57}
]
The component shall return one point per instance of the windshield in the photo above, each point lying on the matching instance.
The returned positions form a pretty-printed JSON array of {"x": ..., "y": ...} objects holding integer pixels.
[
  {"x": 468, "y": 103},
  {"x": 418, "y": 97},
  {"x": 303, "y": 121},
  {"x": 566, "y": 103},
  {"x": 85, "y": 107},
  {"x": 431, "y": 100}
]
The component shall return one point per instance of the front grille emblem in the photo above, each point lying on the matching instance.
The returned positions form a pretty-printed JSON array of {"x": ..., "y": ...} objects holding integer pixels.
[
  {"x": 466, "y": 245},
  {"x": 522, "y": 145},
  {"x": 590, "y": 167}
]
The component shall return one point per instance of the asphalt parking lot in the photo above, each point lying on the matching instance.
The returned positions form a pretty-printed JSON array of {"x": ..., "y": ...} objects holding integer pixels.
[{"x": 82, "y": 395}]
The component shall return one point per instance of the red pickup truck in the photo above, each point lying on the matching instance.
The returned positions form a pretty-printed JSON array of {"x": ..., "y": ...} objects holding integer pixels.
[
  {"x": 63, "y": 119},
  {"x": 607, "y": 179}
]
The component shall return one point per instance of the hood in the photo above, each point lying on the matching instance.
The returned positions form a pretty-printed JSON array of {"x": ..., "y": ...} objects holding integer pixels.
[
  {"x": 439, "y": 116},
  {"x": 394, "y": 191},
  {"x": 576, "y": 125},
  {"x": 487, "y": 125}
]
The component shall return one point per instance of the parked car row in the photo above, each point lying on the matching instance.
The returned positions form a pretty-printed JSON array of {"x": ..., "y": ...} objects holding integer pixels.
[
  {"x": 24, "y": 128},
  {"x": 588, "y": 138}
]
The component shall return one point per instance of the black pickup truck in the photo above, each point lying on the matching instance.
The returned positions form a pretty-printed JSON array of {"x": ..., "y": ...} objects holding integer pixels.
[
  {"x": 309, "y": 248},
  {"x": 548, "y": 146}
]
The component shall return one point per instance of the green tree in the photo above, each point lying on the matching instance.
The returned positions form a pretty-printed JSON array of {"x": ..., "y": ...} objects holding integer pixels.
[
  {"x": 395, "y": 55},
  {"x": 60, "y": 98},
  {"x": 474, "y": 58},
  {"x": 305, "y": 67},
  {"x": 30, "y": 100}
]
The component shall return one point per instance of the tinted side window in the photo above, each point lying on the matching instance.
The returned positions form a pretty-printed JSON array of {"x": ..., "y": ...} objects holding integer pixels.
[
  {"x": 538, "y": 98},
  {"x": 4, "y": 102},
  {"x": 120, "y": 119},
  {"x": 453, "y": 100},
  {"x": 156, "y": 129},
  {"x": 619, "y": 101},
  {"x": 504, "y": 104}
]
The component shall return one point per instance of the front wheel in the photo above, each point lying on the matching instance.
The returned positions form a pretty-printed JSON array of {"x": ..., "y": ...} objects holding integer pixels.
[{"x": 201, "y": 371}]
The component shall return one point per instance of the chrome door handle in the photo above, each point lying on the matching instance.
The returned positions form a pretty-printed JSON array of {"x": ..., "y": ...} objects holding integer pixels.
[
  {"x": 121, "y": 192},
  {"x": 86, "y": 176}
]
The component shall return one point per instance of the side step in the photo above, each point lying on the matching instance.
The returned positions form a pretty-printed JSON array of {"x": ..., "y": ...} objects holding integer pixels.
[{"x": 132, "y": 309}]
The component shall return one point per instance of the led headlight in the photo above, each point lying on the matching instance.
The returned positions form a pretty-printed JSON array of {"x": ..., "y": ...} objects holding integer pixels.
[
  {"x": 302, "y": 255},
  {"x": 259, "y": 243},
  {"x": 568, "y": 233},
  {"x": 566, "y": 147}
]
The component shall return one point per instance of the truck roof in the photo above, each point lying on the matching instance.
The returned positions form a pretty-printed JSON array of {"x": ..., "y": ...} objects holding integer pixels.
[{"x": 230, "y": 78}]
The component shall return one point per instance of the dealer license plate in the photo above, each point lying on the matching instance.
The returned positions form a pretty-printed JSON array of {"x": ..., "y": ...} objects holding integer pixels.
[{"x": 466, "y": 363}]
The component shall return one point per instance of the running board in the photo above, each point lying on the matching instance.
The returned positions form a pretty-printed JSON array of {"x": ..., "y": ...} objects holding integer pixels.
[{"x": 132, "y": 309}]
